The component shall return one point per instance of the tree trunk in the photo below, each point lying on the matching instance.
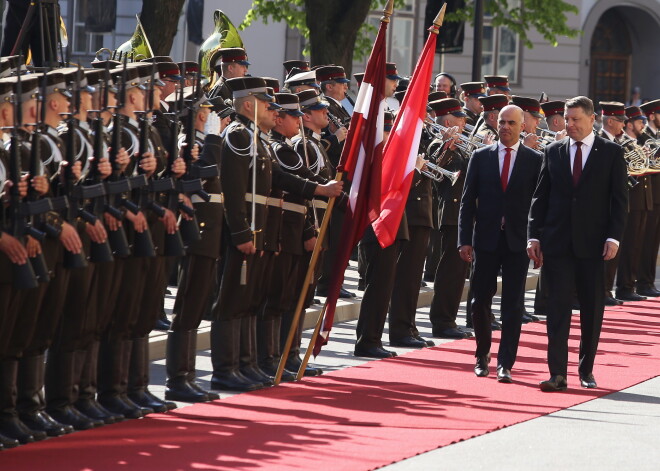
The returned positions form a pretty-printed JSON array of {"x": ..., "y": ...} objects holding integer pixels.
[
  {"x": 160, "y": 19},
  {"x": 333, "y": 27}
]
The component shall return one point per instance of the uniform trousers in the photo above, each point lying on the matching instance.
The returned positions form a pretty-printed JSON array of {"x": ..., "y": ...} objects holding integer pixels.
[
  {"x": 195, "y": 284},
  {"x": 630, "y": 250},
  {"x": 650, "y": 243}
]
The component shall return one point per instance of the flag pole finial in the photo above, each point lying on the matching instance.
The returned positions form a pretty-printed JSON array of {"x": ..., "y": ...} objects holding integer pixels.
[
  {"x": 387, "y": 12},
  {"x": 437, "y": 23}
]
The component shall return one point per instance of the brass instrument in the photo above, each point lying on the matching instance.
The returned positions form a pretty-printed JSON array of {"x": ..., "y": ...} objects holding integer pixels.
[
  {"x": 652, "y": 148},
  {"x": 224, "y": 34},
  {"x": 636, "y": 158},
  {"x": 466, "y": 144},
  {"x": 436, "y": 172},
  {"x": 135, "y": 49}
]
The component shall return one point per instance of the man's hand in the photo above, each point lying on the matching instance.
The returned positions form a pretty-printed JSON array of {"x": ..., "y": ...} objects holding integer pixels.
[
  {"x": 332, "y": 189},
  {"x": 531, "y": 140},
  {"x": 610, "y": 250},
  {"x": 465, "y": 252},
  {"x": 138, "y": 220},
  {"x": 123, "y": 159},
  {"x": 534, "y": 253},
  {"x": 148, "y": 163},
  {"x": 105, "y": 169},
  {"x": 96, "y": 232},
  {"x": 247, "y": 248},
  {"x": 420, "y": 164},
  {"x": 341, "y": 133},
  {"x": 186, "y": 201},
  {"x": 112, "y": 222},
  {"x": 70, "y": 239},
  {"x": 169, "y": 219},
  {"x": 179, "y": 167},
  {"x": 33, "y": 246},
  {"x": 309, "y": 244},
  {"x": 13, "y": 248},
  {"x": 40, "y": 184}
]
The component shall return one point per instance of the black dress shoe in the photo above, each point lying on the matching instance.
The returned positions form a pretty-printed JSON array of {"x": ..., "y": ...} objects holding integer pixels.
[
  {"x": 233, "y": 381},
  {"x": 94, "y": 410},
  {"x": 554, "y": 384},
  {"x": 504, "y": 375},
  {"x": 481, "y": 366},
  {"x": 43, "y": 422},
  {"x": 429, "y": 343},
  {"x": 7, "y": 442},
  {"x": 494, "y": 325},
  {"x": 373, "y": 352},
  {"x": 648, "y": 292},
  {"x": 612, "y": 302},
  {"x": 408, "y": 342},
  {"x": 527, "y": 318},
  {"x": 450, "y": 333},
  {"x": 629, "y": 296},
  {"x": 14, "y": 429},
  {"x": 121, "y": 405},
  {"x": 178, "y": 389},
  {"x": 345, "y": 294},
  {"x": 588, "y": 381},
  {"x": 70, "y": 416}
]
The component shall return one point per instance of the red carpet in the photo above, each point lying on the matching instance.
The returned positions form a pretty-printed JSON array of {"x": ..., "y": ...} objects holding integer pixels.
[{"x": 359, "y": 418}]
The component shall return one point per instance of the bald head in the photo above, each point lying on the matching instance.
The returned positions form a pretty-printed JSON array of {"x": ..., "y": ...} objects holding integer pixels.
[{"x": 510, "y": 123}]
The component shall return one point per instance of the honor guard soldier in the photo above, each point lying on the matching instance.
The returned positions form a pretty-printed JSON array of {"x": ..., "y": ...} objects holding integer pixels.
[
  {"x": 614, "y": 117},
  {"x": 189, "y": 71},
  {"x": 333, "y": 86},
  {"x": 651, "y": 240},
  {"x": 451, "y": 271},
  {"x": 473, "y": 107},
  {"x": 554, "y": 115},
  {"x": 392, "y": 78},
  {"x": 228, "y": 63},
  {"x": 497, "y": 84},
  {"x": 301, "y": 65},
  {"x": 492, "y": 106},
  {"x": 298, "y": 81},
  {"x": 169, "y": 74}
]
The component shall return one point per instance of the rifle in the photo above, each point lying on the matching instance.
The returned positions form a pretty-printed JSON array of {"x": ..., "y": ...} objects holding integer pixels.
[{"x": 23, "y": 275}]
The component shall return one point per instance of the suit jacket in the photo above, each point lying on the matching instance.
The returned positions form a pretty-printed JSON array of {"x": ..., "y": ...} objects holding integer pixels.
[
  {"x": 484, "y": 203},
  {"x": 577, "y": 221}
]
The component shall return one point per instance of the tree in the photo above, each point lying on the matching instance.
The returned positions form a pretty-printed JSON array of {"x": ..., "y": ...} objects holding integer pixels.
[
  {"x": 160, "y": 19},
  {"x": 336, "y": 30}
]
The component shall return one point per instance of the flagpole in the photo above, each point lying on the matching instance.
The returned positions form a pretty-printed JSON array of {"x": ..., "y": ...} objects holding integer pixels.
[{"x": 387, "y": 13}]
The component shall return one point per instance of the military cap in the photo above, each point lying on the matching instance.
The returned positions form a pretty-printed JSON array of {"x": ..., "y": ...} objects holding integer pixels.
[
  {"x": 98, "y": 78},
  {"x": 614, "y": 109},
  {"x": 9, "y": 87},
  {"x": 298, "y": 64},
  {"x": 56, "y": 83},
  {"x": 76, "y": 79},
  {"x": 6, "y": 89},
  {"x": 389, "y": 121},
  {"x": 498, "y": 81},
  {"x": 633, "y": 113},
  {"x": 311, "y": 100},
  {"x": 331, "y": 73},
  {"x": 494, "y": 102},
  {"x": 391, "y": 72},
  {"x": 272, "y": 83},
  {"x": 10, "y": 64},
  {"x": 475, "y": 89},
  {"x": 132, "y": 77},
  {"x": 188, "y": 67},
  {"x": 447, "y": 106},
  {"x": 301, "y": 78},
  {"x": 158, "y": 59},
  {"x": 290, "y": 103},
  {"x": 112, "y": 64},
  {"x": 531, "y": 105},
  {"x": 439, "y": 95},
  {"x": 651, "y": 107},
  {"x": 551, "y": 108},
  {"x": 358, "y": 78},
  {"x": 403, "y": 84},
  {"x": 168, "y": 71},
  {"x": 250, "y": 86},
  {"x": 399, "y": 95},
  {"x": 227, "y": 55},
  {"x": 145, "y": 70}
]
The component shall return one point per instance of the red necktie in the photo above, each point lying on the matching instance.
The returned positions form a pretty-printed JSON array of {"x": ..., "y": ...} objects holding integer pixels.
[
  {"x": 577, "y": 163},
  {"x": 504, "y": 177}
]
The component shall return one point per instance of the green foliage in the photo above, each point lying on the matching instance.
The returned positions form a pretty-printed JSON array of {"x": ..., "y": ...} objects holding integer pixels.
[
  {"x": 548, "y": 17},
  {"x": 293, "y": 13}
]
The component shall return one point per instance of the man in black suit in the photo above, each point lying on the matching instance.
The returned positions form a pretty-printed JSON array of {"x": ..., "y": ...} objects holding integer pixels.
[
  {"x": 576, "y": 220},
  {"x": 498, "y": 191}
]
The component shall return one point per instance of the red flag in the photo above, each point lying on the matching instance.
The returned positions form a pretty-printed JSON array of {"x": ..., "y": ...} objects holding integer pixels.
[
  {"x": 361, "y": 161},
  {"x": 400, "y": 154}
]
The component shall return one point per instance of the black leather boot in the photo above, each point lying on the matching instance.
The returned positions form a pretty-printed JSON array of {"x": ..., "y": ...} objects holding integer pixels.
[
  {"x": 192, "y": 369},
  {"x": 30, "y": 404},
  {"x": 10, "y": 425},
  {"x": 113, "y": 379},
  {"x": 293, "y": 360},
  {"x": 225, "y": 338},
  {"x": 60, "y": 393},
  {"x": 86, "y": 402},
  {"x": 138, "y": 378},
  {"x": 268, "y": 339},
  {"x": 7, "y": 443},
  {"x": 248, "y": 352},
  {"x": 178, "y": 387}
]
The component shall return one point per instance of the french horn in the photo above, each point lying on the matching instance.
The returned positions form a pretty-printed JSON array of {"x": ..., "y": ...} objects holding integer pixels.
[{"x": 224, "y": 34}]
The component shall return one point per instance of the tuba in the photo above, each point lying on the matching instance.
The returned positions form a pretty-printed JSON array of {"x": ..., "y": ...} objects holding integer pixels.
[
  {"x": 224, "y": 34},
  {"x": 135, "y": 49}
]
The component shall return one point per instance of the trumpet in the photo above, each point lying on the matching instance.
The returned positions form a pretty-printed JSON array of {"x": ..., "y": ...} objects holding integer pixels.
[
  {"x": 438, "y": 174},
  {"x": 466, "y": 144}
]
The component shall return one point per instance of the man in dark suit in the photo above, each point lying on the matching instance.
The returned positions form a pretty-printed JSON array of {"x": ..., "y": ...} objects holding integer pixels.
[
  {"x": 498, "y": 190},
  {"x": 576, "y": 220}
]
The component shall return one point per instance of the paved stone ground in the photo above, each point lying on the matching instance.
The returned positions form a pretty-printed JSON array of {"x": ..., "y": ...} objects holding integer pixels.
[{"x": 618, "y": 431}]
